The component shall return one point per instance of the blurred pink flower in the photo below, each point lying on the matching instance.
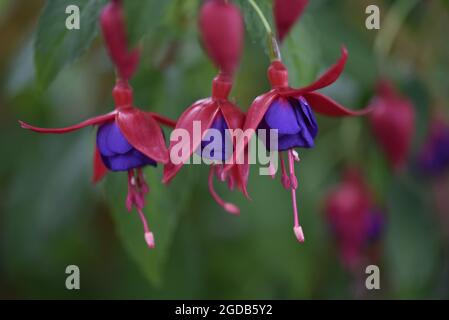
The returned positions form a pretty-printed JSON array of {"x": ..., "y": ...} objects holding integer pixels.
[
  {"x": 353, "y": 218},
  {"x": 393, "y": 123}
]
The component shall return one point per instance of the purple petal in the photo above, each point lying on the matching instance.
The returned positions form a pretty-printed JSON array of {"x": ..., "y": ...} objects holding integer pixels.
[
  {"x": 220, "y": 151},
  {"x": 102, "y": 138},
  {"x": 131, "y": 160},
  {"x": 117, "y": 142},
  {"x": 281, "y": 115}
]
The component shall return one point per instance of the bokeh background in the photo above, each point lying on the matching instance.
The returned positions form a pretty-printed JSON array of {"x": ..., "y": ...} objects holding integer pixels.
[{"x": 51, "y": 216}]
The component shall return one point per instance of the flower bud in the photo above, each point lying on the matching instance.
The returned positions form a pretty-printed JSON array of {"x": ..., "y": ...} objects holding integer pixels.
[
  {"x": 393, "y": 123},
  {"x": 221, "y": 27},
  {"x": 286, "y": 13},
  {"x": 114, "y": 33}
]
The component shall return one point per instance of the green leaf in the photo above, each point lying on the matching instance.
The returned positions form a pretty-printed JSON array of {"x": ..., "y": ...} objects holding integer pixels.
[
  {"x": 143, "y": 17},
  {"x": 301, "y": 55},
  {"x": 56, "y": 46},
  {"x": 163, "y": 209},
  {"x": 411, "y": 243},
  {"x": 254, "y": 25}
]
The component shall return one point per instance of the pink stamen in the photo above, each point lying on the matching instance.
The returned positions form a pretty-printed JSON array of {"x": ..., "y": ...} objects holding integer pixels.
[
  {"x": 229, "y": 207},
  {"x": 296, "y": 156},
  {"x": 297, "y": 228},
  {"x": 136, "y": 198},
  {"x": 284, "y": 177},
  {"x": 142, "y": 184},
  {"x": 130, "y": 198},
  {"x": 149, "y": 237}
]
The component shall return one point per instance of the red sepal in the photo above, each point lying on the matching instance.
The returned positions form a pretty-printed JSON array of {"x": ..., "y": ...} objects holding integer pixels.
[
  {"x": 326, "y": 106},
  {"x": 90, "y": 122},
  {"x": 254, "y": 116},
  {"x": 143, "y": 133},
  {"x": 203, "y": 111},
  {"x": 235, "y": 119},
  {"x": 163, "y": 120},
  {"x": 99, "y": 169},
  {"x": 329, "y": 77}
]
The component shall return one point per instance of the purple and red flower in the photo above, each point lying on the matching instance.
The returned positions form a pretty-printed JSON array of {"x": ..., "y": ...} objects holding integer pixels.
[
  {"x": 128, "y": 139},
  {"x": 221, "y": 27},
  {"x": 290, "y": 112},
  {"x": 218, "y": 113}
]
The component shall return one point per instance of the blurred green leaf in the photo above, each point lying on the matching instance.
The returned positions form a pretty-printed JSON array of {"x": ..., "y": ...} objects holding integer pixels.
[
  {"x": 163, "y": 209},
  {"x": 301, "y": 55},
  {"x": 254, "y": 25},
  {"x": 412, "y": 243},
  {"x": 143, "y": 17},
  {"x": 55, "y": 46}
]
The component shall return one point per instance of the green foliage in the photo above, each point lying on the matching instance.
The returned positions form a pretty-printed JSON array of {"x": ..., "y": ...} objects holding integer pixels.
[
  {"x": 163, "y": 214},
  {"x": 56, "y": 46},
  {"x": 144, "y": 17}
]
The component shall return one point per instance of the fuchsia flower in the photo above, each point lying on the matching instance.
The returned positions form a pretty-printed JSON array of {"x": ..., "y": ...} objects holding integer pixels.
[
  {"x": 290, "y": 112},
  {"x": 127, "y": 138},
  {"x": 355, "y": 222},
  {"x": 221, "y": 29},
  {"x": 286, "y": 13},
  {"x": 216, "y": 112},
  {"x": 393, "y": 123}
]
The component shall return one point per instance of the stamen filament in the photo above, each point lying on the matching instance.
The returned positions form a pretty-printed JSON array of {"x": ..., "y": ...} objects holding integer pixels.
[
  {"x": 141, "y": 182},
  {"x": 149, "y": 237},
  {"x": 284, "y": 178},
  {"x": 229, "y": 207},
  {"x": 294, "y": 185}
]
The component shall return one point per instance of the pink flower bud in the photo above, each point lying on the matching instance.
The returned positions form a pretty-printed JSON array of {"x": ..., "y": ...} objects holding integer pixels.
[
  {"x": 221, "y": 28},
  {"x": 114, "y": 33},
  {"x": 286, "y": 13},
  {"x": 393, "y": 123}
]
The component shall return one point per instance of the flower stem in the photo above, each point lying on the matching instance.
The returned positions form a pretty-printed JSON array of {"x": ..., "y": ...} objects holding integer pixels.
[{"x": 273, "y": 46}]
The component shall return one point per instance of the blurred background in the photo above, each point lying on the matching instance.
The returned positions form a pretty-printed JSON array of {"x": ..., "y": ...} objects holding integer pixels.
[{"x": 51, "y": 216}]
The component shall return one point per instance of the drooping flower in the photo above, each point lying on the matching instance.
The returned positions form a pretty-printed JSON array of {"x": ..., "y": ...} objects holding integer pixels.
[
  {"x": 393, "y": 123},
  {"x": 216, "y": 113},
  {"x": 127, "y": 138},
  {"x": 433, "y": 158},
  {"x": 290, "y": 112},
  {"x": 221, "y": 28},
  {"x": 356, "y": 223},
  {"x": 286, "y": 13}
]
